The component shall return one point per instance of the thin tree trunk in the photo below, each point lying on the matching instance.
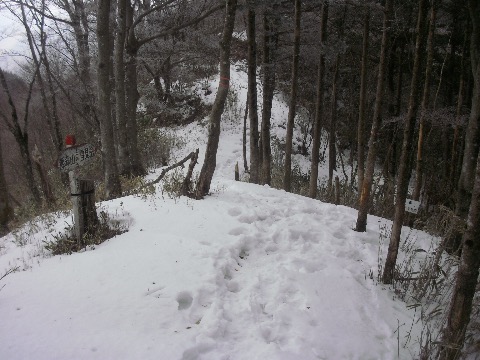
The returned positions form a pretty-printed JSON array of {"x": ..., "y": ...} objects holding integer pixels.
[
  {"x": 364, "y": 199},
  {"x": 252, "y": 94},
  {"x": 5, "y": 209},
  {"x": 21, "y": 135},
  {"x": 332, "y": 152},
  {"x": 456, "y": 131},
  {"x": 362, "y": 102},
  {"x": 112, "y": 181},
  {"x": 209, "y": 164},
  {"x": 467, "y": 275},
  {"x": 472, "y": 137},
  {"x": 270, "y": 38},
  {"x": 119, "y": 62},
  {"x": 244, "y": 136},
  {"x": 317, "y": 127},
  {"x": 424, "y": 107},
  {"x": 404, "y": 168},
  {"x": 132, "y": 96},
  {"x": 287, "y": 183}
]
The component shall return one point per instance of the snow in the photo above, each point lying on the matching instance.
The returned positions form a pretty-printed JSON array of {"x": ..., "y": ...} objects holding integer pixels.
[{"x": 249, "y": 272}]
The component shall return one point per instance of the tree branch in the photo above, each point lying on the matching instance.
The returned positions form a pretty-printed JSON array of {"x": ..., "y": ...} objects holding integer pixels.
[
  {"x": 164, "y": 172},
  {"x": 183, "y": 26}
]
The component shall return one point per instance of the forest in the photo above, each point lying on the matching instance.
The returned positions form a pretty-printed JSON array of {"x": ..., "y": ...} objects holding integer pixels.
[{"x": 385, "y": 94}]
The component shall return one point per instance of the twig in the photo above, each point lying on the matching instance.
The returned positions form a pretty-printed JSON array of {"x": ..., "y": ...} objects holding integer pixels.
[{"x": 12, "y": 270}]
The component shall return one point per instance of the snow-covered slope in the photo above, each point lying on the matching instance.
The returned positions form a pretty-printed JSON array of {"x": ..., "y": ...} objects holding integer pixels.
[{"x": 250, "y": 272}]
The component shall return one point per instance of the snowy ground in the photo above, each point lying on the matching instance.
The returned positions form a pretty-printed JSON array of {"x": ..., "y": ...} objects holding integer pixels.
[{"x": 250, "y": 272}]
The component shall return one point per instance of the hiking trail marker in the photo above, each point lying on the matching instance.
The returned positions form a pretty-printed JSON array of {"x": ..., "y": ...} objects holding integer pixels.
[{"x": 70, "y": 159}]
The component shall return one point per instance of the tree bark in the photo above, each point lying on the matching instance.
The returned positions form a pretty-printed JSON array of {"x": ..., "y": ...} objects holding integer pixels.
[
  {"x": 135, "y": 167},
  {"x": 21, "y": 135},
  {"x": 252, "y": 94},
  {"x": 120, "y": 108},
  {"x": 332, "y": 141},
  {"x": 467, "y": 275},
  {"x": 112, "y": 181},
  {"x": 270, "y": 39},
  {"x": 209, "y": 164},
  {"x": 404, "y": 169},
  {"x": 364, "y": 199},
  {"x": 362, "y": 101},
  {"x": 472, "y": 137},
  {"x": 287, "y": 182},
  {"x": 5, "y": 209},
  {"x": 424, "y": 107},
  {"x": 317, "y": 127}
]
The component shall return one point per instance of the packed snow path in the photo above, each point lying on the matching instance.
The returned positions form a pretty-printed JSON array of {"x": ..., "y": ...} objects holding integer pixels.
[{"x": 248, "y": 273}]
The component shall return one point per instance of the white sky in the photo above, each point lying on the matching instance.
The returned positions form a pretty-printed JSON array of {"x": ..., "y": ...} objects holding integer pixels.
[{"x": 11, "y": 41}]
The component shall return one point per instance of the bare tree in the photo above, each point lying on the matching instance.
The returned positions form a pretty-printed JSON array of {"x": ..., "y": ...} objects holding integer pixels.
[
  {"x": 364, "y": 198},
  {"x": 287, "y": 181},
  {"x": 252, "y": 94},
  {"x": 5, "y": 209},
  {"x": 424, "y": 106},
  {"x": 210, "y": 162},
  {"x": 317, "y": 127},
  {"x": 468, "y": 269},
  {"x": 112, "y": 180},
  {"x": 404, "y": 168},
  {"x": 270, "y": 41},
  {"x": 20, "y": 133},
  {"x": 472, "y": 137},
  {"x": 362, "y": 101}
]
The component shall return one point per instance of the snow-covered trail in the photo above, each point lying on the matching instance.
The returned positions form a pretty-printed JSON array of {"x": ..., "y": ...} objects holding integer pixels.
[
  {"x": 249, "y": 272},
  {"x": 294, "y": 285}
]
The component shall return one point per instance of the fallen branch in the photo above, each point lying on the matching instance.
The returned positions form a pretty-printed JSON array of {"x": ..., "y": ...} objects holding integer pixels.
[{"x": 164, "y": 172}]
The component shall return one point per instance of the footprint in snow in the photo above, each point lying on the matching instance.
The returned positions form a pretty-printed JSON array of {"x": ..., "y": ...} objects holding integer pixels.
[
  {"x": 184, "y": 300},
  {"x": 234, "y": 211}
]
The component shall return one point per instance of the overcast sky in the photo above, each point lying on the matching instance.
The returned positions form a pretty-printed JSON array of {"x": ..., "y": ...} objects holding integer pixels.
[{"x": 11, "y": 41}]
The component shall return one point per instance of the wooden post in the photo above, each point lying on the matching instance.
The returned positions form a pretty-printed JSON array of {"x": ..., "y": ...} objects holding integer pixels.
[
  {"x": 337, "y": 190},
  {"x": 89, "y": 211},
  {"x": 78, "y": 220},
  {"x": 237, "y": 172}
]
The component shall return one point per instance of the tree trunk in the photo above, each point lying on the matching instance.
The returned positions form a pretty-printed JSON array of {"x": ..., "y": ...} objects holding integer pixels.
[
  {"x": 287, "y": 183},
  {"x": 317, "y": 127},
  {"x": 270, "y": 38},
  {"x": 472, "y": 137},
  {"x": 21, "y": 136},
  {"x": 460, "y": 98},
  {"x": 424, "y": 107},
  {"x": 332, "y": 152},
  {"x": 5, "y": 209},
  {"x": 362, "y": 102},
  {"x": 121, "y": 117},
  {"x": 132, "y": 96},
  {"x": 112, "y": 181},
  {"x": 244, "y": 136},
  {"x": 209, "y": 164},
  {"x": 466, "y": 281},
  {"x": 364, "y": 199},
  {"x": 252, "y": 94},
  {"x": 404, "y": 168}
]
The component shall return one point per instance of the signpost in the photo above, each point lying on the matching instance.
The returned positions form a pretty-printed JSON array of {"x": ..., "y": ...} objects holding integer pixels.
[
  {"x": 75, "y": 156},
  {"x": 412, "y": 206},
  {"x": 70, "y": 160}
]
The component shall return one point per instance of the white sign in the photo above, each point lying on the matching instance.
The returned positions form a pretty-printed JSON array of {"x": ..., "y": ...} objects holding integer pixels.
[
  {"x": 75, "y": 156},
  {"x": 412, "y": 206}
]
